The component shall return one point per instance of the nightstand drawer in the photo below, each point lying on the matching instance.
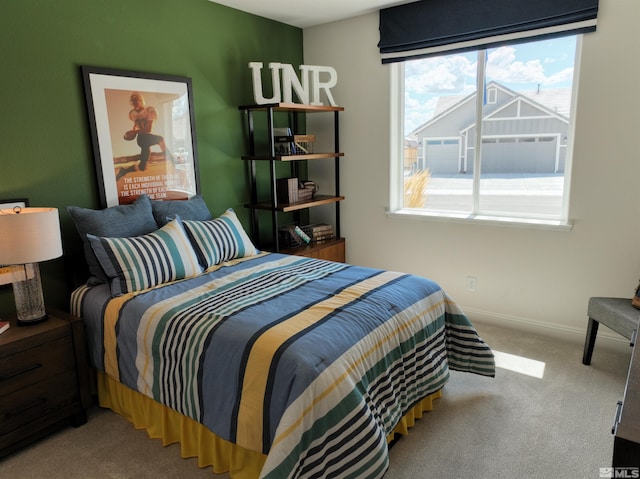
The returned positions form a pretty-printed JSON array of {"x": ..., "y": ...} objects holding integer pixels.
[
  {"x": 34, "y": 402},
  {"x": 35, "y": 364}
]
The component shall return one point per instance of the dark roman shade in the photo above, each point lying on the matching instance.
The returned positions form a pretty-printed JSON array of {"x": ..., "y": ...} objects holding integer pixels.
[{"x": 431, "y": 27}]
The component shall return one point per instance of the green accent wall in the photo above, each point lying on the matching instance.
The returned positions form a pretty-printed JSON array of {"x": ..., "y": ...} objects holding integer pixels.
[{"x": 46, "y": 145}]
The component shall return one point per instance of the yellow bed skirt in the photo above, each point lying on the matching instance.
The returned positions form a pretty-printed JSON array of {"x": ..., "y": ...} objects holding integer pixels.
[{"x": 195, "y": 439}]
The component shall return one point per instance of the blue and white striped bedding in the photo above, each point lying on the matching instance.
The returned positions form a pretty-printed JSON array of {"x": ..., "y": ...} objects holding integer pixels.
[{"x": 310, "y": 362}]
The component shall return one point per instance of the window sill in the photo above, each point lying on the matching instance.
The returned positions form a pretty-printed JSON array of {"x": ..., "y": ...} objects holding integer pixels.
[{"x": 504, "y": 221}]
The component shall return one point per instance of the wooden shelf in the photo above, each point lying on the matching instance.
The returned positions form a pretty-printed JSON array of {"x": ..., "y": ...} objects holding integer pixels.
[
  {"x": 318, "y": 200},
  {"x": 291, "y": 107},
  {"x": 311, "y": 156}
]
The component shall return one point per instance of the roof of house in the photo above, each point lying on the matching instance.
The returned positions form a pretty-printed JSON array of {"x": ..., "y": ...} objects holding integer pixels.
[{"x": 557, "y": 100}]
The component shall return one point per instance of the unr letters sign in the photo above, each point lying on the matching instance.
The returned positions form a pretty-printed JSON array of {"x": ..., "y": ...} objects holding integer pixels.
[{"x": 313, "y": 80}]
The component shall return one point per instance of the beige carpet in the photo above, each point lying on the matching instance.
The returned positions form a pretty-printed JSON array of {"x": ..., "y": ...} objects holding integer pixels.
[{"x": 513, "y": 426}]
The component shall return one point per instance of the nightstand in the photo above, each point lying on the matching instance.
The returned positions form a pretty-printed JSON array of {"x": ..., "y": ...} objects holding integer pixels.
[
  {"x": 44, "y": 379},
  {"x": 626, "y": 443}
]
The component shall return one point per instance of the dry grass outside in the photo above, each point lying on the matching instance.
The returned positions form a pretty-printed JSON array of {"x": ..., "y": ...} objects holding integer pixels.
[{"x": 415, "y": 189}]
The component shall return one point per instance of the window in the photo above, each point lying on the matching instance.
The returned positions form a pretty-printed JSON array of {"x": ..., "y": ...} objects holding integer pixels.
[
  {"x": 489, "y": 132},
  {"x": 492, "y": 95}
]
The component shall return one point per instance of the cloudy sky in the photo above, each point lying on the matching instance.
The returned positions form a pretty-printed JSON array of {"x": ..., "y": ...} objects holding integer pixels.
[{"x": 548, "y": 63}]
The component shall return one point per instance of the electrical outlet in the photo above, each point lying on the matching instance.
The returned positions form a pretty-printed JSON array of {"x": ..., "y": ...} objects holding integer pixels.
[{"x": 472, "y": 283}]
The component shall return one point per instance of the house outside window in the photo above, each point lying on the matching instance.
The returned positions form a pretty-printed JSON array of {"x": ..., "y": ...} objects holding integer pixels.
[{"x": 490, "y": 131}]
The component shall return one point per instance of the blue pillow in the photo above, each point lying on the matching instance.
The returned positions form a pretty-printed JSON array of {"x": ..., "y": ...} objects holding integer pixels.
[
  {"x": 142, "y": 262},
  {"x": 192, "y": 209},
  {"x": 219, "y": 240},
  {"x": 117, "y": 222}
]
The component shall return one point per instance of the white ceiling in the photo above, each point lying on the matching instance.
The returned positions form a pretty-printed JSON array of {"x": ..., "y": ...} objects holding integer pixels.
[{"x": 308, "y": 13}]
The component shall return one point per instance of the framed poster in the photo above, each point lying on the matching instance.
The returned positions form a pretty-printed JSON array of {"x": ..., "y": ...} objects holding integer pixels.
[
  {"x": 143, "y": 135},
  {"x": 6, "y": 275}
]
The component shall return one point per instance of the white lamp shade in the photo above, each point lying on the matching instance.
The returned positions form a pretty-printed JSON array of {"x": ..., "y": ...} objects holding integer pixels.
[{"x": 29, "y": 235}]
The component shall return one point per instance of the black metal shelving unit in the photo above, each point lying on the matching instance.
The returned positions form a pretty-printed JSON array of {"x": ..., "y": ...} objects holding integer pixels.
[{"x": 271, "y": 203}]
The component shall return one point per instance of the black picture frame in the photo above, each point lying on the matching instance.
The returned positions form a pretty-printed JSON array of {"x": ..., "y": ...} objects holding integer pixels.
[
  {"x": 143, "y": 134},
  {"x": 6, "y": 276},
  {"x": 20, "y": 202}
]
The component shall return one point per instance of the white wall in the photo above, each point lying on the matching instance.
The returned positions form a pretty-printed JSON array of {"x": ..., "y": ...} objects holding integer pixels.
[{"x": 538, "y": 279}]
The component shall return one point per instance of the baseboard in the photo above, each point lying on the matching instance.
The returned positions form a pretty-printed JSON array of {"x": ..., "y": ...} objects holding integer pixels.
[{"x": 606, "y": 337}]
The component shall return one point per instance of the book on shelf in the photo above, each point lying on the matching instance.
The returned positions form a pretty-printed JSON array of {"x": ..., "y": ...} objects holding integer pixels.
[
  {"x": 287, "y": 190},
  {"x": 321, "y": 227},
  {"x": 283, "y": 141},
  {"x": 304, "y": 194},
  {"x": 324, "y": 237},
  {"x": 4, "y": 325},
  {"x": 321, "y": 232}
]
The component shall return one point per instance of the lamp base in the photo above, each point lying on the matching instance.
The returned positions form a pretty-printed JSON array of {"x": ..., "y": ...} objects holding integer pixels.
[
  {"x": 30, "y": 322},
  {"x": 27, "y": 292}
]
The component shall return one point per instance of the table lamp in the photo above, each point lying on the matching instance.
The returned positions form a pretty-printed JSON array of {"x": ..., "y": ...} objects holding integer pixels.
[{"x": 28, "y": 236}]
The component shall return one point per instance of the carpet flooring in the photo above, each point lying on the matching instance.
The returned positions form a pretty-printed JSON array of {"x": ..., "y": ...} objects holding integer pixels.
[{"x": 544, "y": 415}]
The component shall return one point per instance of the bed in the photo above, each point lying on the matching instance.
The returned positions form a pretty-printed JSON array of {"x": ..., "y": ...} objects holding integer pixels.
[{"x": 262, "y": 364}]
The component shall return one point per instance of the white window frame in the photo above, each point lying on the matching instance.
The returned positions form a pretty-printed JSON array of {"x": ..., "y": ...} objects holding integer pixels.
[{"x": 396, "y": 200}]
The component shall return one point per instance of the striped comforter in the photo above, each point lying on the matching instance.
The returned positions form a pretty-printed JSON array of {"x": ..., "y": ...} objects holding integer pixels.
[{"x": 310, "y": 362}]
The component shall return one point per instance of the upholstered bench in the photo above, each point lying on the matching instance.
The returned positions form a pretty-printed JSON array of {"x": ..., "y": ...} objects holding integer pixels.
[{"x": 616, "y": 314}]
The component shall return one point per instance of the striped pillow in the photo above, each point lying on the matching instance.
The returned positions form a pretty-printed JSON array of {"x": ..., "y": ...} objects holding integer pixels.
[
  {"x": 142, "y": 262},
  {"x": 219, "y": 240}
]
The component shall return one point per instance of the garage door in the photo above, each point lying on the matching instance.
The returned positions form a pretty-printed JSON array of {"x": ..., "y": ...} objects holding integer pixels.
[
  {"x": 442, "y": 156},
  {"x": 519, "y": 155}
]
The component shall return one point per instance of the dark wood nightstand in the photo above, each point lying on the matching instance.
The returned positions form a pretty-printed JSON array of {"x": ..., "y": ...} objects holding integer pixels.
[
  {"x": 626, "y": 444},
  {"x": 44, "y": 379}
]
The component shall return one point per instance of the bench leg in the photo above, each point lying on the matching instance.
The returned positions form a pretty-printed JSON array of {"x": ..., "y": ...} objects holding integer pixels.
[{"x": 590, "y": 340}]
